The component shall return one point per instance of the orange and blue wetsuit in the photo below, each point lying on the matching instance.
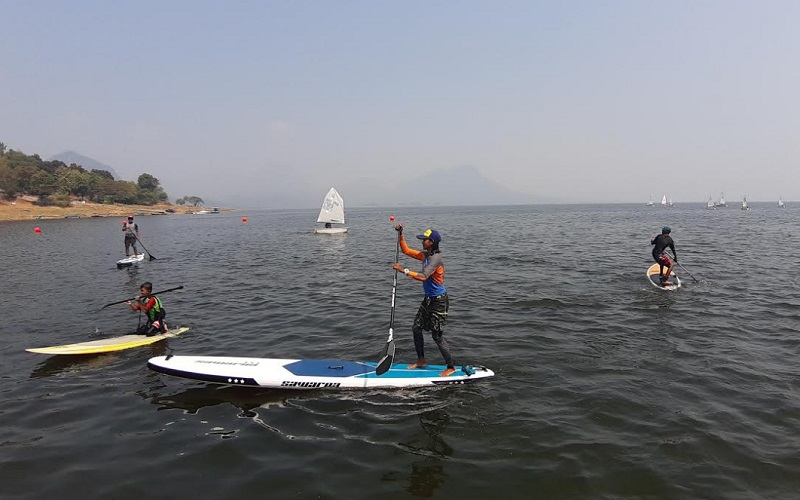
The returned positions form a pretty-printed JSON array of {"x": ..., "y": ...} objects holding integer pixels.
[{"x": 432, "y": 312}]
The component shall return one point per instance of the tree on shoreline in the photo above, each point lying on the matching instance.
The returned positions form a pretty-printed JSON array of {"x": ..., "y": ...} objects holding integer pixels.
[
  {"x": 56, "y": 183},
  {"x": 194, "y": 200}
]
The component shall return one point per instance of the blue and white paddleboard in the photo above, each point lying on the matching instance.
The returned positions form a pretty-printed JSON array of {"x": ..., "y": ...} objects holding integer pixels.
[{"x": 309, "y": 373}]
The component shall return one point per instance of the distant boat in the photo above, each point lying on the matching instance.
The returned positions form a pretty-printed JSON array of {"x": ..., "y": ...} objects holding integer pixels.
[
  {"x": 721, "y": 202},
  {"x": 710, "y": 204},
  {"x": 650, "y": 203},
  {"x": 332, "y": 212},
  {"x": 744, "y": 203},
  {"x": 780, "y": 203},
  {"x": 664, "y": 201},
  {"x": 214, "y": 210},
  {"x": 670, "y": 202}
]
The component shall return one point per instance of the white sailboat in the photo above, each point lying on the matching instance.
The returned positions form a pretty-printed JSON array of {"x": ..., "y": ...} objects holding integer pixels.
[
  {"x": 744, "y": 203},
  {"x": 670, "y": 202},
  {"x": 780, "y": 202},
  {"x": 650, "y": 203},
  {"x": 710, "y": 204},
  {"x": 332, "y": 212},
  {"x": 664, "y": 201},
  {"x": 722, "y": 200}
]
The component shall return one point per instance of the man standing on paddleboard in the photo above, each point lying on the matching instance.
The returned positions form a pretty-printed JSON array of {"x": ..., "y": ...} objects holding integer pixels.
[
  {"x": 432, "y": 313},
  {"x": 131, "y": 231},
  {"x": 662, "y": 242}
]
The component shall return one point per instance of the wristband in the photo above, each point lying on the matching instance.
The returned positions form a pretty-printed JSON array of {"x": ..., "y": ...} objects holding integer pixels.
[{"x": 406, "y": 271}]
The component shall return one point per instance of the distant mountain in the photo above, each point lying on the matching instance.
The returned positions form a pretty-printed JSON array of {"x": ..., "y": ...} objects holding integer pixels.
[
  {"x": 70, "y": 157},
  {"x": 463, "y": 185}
]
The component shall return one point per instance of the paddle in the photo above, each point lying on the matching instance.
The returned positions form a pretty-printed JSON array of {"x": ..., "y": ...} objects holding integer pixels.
[
  {"x": 687, "y": 272},
  {"x": 389, "y": 349},
  {"x": 146, "y": 295},
  {"x": 146, "y": 250}
]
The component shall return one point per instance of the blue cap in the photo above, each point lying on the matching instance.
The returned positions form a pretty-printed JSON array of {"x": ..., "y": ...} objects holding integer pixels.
[
  {"x": 430, "y": 234},
  {"x": 665, "y": 230}
]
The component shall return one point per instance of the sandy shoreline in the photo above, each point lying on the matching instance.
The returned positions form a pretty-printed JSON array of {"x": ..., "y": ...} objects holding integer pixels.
[{"x": 23, "y": 209}]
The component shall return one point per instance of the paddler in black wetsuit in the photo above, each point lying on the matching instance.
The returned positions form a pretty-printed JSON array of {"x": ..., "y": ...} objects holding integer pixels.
[{"x": 662, "y": 242}]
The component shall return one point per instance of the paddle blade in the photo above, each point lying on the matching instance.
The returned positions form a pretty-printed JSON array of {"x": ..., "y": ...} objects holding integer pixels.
[
  {"x": 386, "y": 361},
  {"x": 152, "y": 258}
]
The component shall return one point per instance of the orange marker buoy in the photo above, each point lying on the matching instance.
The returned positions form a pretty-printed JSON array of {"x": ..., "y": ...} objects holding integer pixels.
[
  {"x": 37, "y": 230},
  {"x": 244, "y": 219}
]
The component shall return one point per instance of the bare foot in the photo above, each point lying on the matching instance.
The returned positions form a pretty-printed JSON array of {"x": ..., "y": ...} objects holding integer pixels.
[{"x": 447, "y": 372}]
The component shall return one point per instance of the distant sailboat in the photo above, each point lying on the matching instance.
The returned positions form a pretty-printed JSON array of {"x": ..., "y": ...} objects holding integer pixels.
[
  {"x": 664, "y": 201},
  {"x": 780, "y": 203},
  {"x": 744, "y": 203},
  {"x": 721, "y": 202},
  {"x": 670, "y": 202},
  {"x": 650, "y": 203},
  {"x": 710, "y": 203},
  {"x": 332, "y": 212}
]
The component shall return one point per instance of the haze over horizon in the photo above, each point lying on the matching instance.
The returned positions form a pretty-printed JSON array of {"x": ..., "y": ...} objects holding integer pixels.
[{"x": 569, "y": 102}]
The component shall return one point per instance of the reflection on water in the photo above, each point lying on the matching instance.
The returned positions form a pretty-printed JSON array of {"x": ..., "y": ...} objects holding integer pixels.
[
  {"x": 58, "y": 365},
  {"x": 193, "y": 399}
]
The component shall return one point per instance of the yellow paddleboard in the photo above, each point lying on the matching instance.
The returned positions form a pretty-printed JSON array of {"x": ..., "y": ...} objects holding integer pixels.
[{"x": 108, "y": 345}]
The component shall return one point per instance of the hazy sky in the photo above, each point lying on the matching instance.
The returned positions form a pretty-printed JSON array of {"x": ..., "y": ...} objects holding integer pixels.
[{"x": 583, "y": 101}]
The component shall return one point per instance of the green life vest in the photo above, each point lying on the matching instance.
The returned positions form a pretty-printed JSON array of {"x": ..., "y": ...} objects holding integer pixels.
[{"x": 153, "y": 310}]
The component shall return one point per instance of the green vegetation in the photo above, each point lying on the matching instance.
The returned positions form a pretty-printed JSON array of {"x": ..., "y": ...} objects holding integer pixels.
[
  {"x": 56, "y": 183},
  {"x": 193, "y": 200}
]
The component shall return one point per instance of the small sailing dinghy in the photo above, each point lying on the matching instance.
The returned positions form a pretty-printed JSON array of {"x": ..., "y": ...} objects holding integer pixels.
[
  {"x": 744, "y": 203},
  {"x": 780, "y": 203},
  {"x": 332, "y": 212}
]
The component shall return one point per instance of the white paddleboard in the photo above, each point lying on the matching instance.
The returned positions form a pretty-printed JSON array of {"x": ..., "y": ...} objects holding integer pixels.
[
  {"x": 130, "y": 261},
  {"x": 309, "y": 373},
  {"x": 108, "y": 345},
  {"x": 655, "y": 280}
]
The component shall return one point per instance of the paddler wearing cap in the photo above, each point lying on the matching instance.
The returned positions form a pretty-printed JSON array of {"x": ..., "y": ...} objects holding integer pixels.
[
  {"x": 131, "y": 230},
  {"x": 432, "y": 312},
  {"x": 662, "y": 242}
]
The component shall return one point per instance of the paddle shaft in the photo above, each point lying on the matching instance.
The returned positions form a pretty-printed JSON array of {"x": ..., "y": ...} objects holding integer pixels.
[
  {"x": 687, "y": 272},
  {"x": 387, "y": 356},
  {"x": 152, "y": 257},
  {"x": 147, "y": 295},
  {"x": 394, "y": 285}
]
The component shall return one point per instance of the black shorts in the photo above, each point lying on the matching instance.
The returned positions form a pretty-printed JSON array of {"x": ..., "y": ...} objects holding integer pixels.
[{"x": 432, "y": 314}]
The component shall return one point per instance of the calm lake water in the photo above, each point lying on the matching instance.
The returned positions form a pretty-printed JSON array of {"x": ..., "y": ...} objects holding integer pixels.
[{"x": 606, "y": 387}]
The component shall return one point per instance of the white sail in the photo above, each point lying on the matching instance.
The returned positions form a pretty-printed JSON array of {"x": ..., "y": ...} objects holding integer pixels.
[
  {"x": 332, "y": 208},
  {"x": 722, "y": 200},
  {"x": 670, "y": 201},
  {"x": 332, "y": 212},
  {"x": 710, "y": 203},
  {"x": 650, "y": 203},
  {"x": 664, "y": 201},
  {"x": 780, "y": 203},
  {"x": 744, "y": 203}
]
